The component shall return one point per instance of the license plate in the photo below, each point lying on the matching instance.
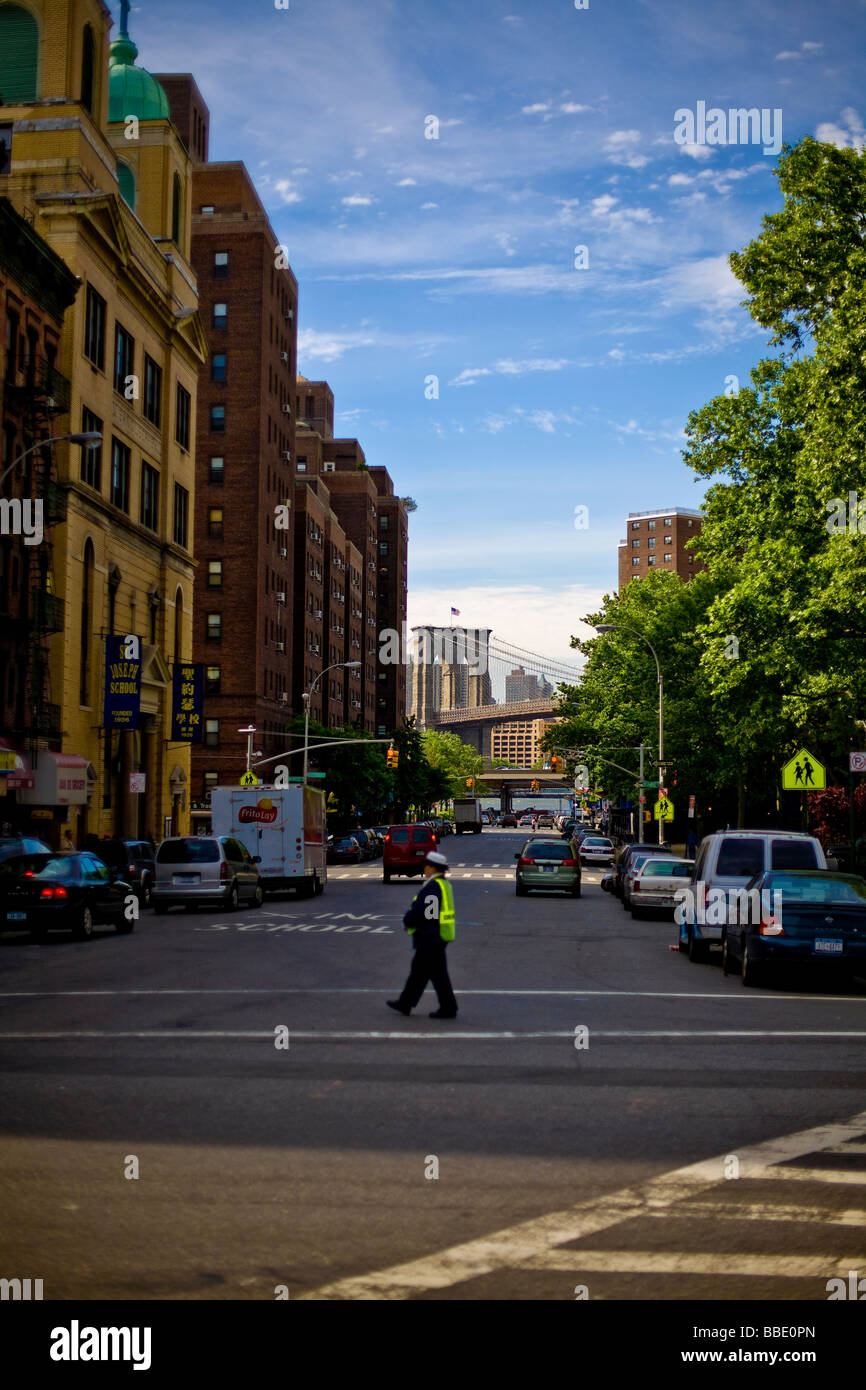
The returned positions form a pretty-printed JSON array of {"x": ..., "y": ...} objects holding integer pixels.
[
  {"x": 186, "y": 878},
  {"x": 16, "y": 916},
  {"x": 547, "y": 868},
  {"x": 827, "y": 947}
]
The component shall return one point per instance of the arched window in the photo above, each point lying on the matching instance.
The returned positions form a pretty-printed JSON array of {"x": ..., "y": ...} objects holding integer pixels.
[
  {"x": 178, "y": 625},
  {"x": 126, "y": 183},
  {"x": 176, "y": 211},
  {"x": 87, "y": 620},
  {"x": 19, "y": 55},
  {"x": 87, "y": 52}
]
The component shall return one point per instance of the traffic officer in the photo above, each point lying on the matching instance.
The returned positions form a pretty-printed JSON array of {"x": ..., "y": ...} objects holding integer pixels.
[{"x": 430, "y": 922}]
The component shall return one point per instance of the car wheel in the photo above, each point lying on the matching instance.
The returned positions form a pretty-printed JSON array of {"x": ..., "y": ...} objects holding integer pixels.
[
  {"x": 386, "y": 877},
  {"x": 83, "y": 929},
  {"x": 258, "y": 896},
  {"x": 751, "y": 975},
  {"x": 232, "y": 901},
  {"x": 146, "y": 895},
  {"x": 521, "y": 890},
  {"x": 697, "y": 950},
  {"x": 575, "y": 891},
  {"x": 124, "y": 926}
]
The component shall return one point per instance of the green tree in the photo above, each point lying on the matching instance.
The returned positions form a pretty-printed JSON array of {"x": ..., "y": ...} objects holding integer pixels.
[
  {"x": 454, "y": 759},
  {"x": 355, "y": 775},
  {"x": 415, "y": 783}
]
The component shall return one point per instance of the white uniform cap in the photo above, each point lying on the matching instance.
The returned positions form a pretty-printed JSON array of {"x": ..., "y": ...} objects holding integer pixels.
[{"x": 438, "y": 859}]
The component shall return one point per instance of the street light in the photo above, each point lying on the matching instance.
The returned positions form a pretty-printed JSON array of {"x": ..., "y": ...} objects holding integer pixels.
[
  {"x": 89, "y": 439},
  {"x": 307, "y": 696},
  {"x": 625, "y": 627}
]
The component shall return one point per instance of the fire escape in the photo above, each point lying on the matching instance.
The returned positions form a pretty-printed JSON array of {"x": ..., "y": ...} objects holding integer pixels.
[{"x": 36, "y": 395}]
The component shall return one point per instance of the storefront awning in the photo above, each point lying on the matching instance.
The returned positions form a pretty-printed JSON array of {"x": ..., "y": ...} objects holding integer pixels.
[
  {"x": 19, "y": 774},
  {"x": 59, "y": 779}
]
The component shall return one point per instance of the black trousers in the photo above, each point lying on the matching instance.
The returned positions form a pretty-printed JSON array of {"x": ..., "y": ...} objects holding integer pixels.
[{"x": 429, "y": 966}]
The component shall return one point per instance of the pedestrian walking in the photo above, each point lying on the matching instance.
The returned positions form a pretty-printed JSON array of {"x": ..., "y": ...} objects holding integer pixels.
[{"x": 430, "y": 922}]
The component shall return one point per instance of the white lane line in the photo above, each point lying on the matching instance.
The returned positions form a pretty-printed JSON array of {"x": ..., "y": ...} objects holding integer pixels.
[
  {"x": 509, "y": 1247},
  {"x": 486, "y": 875},
  {"x": 574, "y": 994},
  {"x": 763, "y": 1211},
  {"x": 685, "y": 1262},
  {"x": 831, "y": 1175},
  {"x": 848, "y": 1149},
  {"x": 444, "y": 1035},
  {"x": 478, "y": 866}
]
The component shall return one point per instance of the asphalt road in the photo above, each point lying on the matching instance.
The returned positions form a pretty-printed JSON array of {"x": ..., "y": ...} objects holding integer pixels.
[{"x": 693, "y": 1139}]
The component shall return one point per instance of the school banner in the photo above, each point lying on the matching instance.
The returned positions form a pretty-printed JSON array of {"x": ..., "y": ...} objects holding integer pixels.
[
  {"x": 122, "y": 707},
  {"x": 187, "y": 702}
]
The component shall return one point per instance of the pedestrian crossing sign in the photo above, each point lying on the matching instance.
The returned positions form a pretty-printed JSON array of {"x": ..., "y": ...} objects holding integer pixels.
[
  {"x": 249, "y": 779},
  {"x": 803, "y": 773},
  {"x": 664, "y": 809}
]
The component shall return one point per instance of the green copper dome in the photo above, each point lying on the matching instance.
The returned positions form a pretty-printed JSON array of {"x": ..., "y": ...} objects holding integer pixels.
[{"x": 131, "y": 90}]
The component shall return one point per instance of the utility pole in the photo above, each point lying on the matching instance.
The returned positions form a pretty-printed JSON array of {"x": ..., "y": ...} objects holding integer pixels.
[{"x": 640, "y": 799}]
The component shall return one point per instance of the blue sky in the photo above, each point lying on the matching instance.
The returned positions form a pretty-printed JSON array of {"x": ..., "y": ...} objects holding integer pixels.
[{"x": 558, "y": 387}]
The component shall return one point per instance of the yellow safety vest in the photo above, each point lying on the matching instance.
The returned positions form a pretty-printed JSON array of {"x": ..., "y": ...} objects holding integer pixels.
[{"x": 447, "y": 915}]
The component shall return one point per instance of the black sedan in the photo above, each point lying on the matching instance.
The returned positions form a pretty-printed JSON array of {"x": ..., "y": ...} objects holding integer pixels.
[
  {"x": 345, "y": 851},
  {"x": 796, "y": 917},
  {"x": 69, "y": 892},
  {"x": 20, "y": 844}
]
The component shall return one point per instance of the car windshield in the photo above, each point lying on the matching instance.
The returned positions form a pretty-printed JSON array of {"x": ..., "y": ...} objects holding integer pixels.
[
  {"x": 61, "y": 867},
  {"x": 818, "y": 888},
  {"x": 546, "y": 849},
  {"x": 192, "y": 851},
  {"x": 740, "y": 858},
  {"x": 593, "y": 841},
  {"x": 665, "y": 868},
  {"x": 793, "y": 854},
  {"x": 399, "y": 837},
  {"x": 345, "y": 844}
]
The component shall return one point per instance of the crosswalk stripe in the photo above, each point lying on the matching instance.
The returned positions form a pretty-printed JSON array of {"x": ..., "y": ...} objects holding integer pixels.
[{"x": 688, "y": 1262}]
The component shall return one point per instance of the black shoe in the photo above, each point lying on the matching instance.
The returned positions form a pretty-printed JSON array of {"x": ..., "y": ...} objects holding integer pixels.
[
  {"x": 439, "y": 1014},
  {"x": 395, "y": 1004}
]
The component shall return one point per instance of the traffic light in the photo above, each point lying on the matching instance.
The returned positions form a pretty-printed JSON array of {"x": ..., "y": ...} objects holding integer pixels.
[
  {"x": 470, "y": 782},
  {"x": 534, "y": 787},
  {"x": 393, "y": 757},
  {"x": 555, "y": 763}
]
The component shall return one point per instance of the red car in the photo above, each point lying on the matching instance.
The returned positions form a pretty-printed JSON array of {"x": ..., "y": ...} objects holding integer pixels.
[
  {"x": 509, "y": 820},
  {"x": 406, "y": 848}
]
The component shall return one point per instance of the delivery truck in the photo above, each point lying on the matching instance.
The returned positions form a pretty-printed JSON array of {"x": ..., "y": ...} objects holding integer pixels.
[
  {"x": 467, "y": 815},
  {"x": 284, "y": 826}
]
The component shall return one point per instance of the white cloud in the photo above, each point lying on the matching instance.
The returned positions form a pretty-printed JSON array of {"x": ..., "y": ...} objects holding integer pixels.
[
  {"x": 603, "y": 204},
  {"x": 358, "y": 200},
  {"x": 787, "y": 55},
  {"x": 621, "y": 148},
  {"x": 537, "y": 109},
  {"x": 697, "y": 151},
  {"x": 679, "y": 180},
  {"x": 287, "y": 191},
  {"x": 573, "y": 108},
  {"x": 425, "y": 207},
  {"x": 407, "y": 183},
  {"x": 509, "y": 367},
  {"x": 709, "y": 282},
  {"x": 849, "y": 136}
]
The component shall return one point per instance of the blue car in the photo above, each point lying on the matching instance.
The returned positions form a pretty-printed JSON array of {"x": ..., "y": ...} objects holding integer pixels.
[{"x": 798, "y": 917}]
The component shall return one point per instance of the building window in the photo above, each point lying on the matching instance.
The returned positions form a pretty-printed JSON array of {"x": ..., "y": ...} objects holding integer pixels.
[
  {"x": 220, "y": 315},
  {"x": 124, "y": 357},
  {"x": 207, "y": 209},
  {"x": 220, "y": 264},
  {"x": 212, "y": 733},
  {"x": 651, "y": 526},
  {"x": 651, "y": 542},
  {"x": 120, "y": 457},
  {"x": 383, "y": 523},
  {"x": 181, "y": 515},
  {"x": 176, "y": 210},
  {"x": 182, "y": 416},
  {"x": 126, "y": 183},
  {"x": 218, "y": 419},
  {"x": 302, "y": 466},
  {"x": 667, "y": 521},
  {"x": 149, "y": 497},
  {"x": 212, "y": 680},
  {"x": 94, "y": 327},
  {"x": 668, "y": 557},
  {"x": 669, "y": 540},
  {"x": 217, "y": 472},
  {"x": 214, "y": 574},
  {"x": 152, "y": 403},
  {"x": 209, "y": 781},
  {"x": 635, "y": 545},
  {"x": 91, "y": 458},
  {"x": 218, "y": 367},
  {"x": 635, "y": 526},
  {"x": 383, "y": 547},
  {"x": 214, "y": 627},
  {"x": 651, "y": 559},
  {"x": 215, "y": 523},
  {"x": 635, "y": 560}
]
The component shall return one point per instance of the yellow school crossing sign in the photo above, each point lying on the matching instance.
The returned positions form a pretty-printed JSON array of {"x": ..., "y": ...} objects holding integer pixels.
[
  {"x": 664, "y": 809},
  {"x": 249, "y": 779},
  {"x": 803, "y": 773}
]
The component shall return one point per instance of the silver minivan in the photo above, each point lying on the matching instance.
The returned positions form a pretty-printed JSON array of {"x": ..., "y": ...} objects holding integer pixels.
[
  {"x": 205, "y": 870},
  {"x": 730, "y": 859}
]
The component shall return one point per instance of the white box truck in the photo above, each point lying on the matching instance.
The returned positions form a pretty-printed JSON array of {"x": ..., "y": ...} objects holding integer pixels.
[
  {"x": 284, "y": 826},
  {"x": 467, "y": 815}
]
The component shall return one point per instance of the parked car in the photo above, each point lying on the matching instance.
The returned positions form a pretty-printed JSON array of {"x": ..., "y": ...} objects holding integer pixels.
[
  {"x": 640, "y": 855},
  {"x": 132, "y": 859},
  {"x": 730, "y": 859},
  {"x": 68, "y": 892},
  {"x": 406, "y": 848},
  {"x": 546, "y": 862},
  {"x": 22, "y": 844},
  {"x": 205, "y": 870},
  {"x": 607, "y": 881},
  {"x": 14, "y": 867},
  {"x": 369, "y": 842},
  {"x": 624, "y": 860},
  {"x": 509, "y": 821},
  {"x": 799, "y": 917},
  {"x": 445, "y": 826},
  {"x": 345, "y": 851},
  {"x": 526, "y": 820},
  {"x": 544, "y": 822},
  {"x": 652, "y": 883},
  {"x": 596, "y": 851}
]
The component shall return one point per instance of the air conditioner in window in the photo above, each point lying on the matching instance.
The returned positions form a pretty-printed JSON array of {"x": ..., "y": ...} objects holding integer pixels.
[
  {"x": 283, "y": 697},
  {"x": 286, "y": 455},
  {"x": 284, "y": 357},
  {"x": 329, "y": 468},
  {"x": 283, "y": 551},
  {"x": 287, "y": 410},
  {"x": 281, "y": 598},
  {"x": 290, "y": 314},
  {"x": 279, "y": 646},
  {"x": 319, "y": 614}
]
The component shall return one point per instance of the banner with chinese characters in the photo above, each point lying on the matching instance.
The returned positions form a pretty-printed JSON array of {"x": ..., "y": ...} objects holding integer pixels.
[
  {"x": 122, "y": 709},
  {"x": 187, "y": 702}
]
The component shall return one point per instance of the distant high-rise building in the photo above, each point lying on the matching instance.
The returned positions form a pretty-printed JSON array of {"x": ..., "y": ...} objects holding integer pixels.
[
  {"x": 657, "y": 540},
  {"x": 520, "y": 686},
  {"x": 448, "y": 670}
]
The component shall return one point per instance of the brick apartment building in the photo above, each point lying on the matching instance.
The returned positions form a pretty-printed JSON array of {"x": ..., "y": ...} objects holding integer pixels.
[{"x": 657, "y": 540}]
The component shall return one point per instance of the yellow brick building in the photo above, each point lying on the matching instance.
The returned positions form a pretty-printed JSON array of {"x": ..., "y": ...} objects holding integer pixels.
[
  {"x": 101, "y": 172},
  {"x": 518, "y": 741}
]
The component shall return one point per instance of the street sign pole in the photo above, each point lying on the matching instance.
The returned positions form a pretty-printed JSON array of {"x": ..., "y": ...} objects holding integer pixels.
[{"x": 640, "y": 804}]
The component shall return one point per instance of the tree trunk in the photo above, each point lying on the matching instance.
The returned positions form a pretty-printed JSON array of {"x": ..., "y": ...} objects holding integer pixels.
[{"x": 741, "y": 803}]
